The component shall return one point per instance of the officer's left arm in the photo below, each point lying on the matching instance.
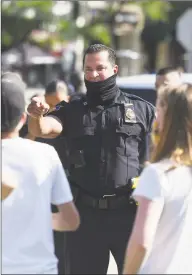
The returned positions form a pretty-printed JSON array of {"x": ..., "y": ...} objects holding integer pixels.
[
  {"x": 145, "y": 147},
  {"x": 144, "y": 153}
]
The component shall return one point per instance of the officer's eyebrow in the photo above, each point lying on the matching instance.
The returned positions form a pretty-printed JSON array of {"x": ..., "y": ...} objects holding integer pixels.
[
  {"x": 88, "y": 67},
  {"x": 101, "y": 66}
]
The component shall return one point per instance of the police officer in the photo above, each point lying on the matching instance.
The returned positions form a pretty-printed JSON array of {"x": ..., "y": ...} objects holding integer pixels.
[{"x": 107, "y": 133}]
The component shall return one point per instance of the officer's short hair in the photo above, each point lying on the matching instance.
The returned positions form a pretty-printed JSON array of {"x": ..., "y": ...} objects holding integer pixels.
[
  {"x": 97, "y": 48},
  {"x": 167, "y": 70}
]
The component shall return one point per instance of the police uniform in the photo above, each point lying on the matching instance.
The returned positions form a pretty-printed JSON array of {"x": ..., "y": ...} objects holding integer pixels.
[{"x": 107, "y": 148}]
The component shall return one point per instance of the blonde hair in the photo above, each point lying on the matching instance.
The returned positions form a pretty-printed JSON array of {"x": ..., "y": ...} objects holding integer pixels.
[{"x": 175, "y": 140}]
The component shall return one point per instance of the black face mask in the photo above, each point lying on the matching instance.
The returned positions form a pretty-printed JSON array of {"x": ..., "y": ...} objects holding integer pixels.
[{"x": 101, "y": 92}]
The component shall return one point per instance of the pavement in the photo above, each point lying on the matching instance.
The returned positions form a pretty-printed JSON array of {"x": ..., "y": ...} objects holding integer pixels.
[{"x": 112, "y": 269}]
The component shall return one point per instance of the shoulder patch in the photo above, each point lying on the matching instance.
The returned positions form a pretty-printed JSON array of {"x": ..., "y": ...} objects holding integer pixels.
[{"x": 58, "y": 106}]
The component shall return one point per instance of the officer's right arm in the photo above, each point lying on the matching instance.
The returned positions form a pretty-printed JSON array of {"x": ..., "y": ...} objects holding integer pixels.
[
  {"x": 45, "y": 127},
  {"x": 40, "y": 126}
]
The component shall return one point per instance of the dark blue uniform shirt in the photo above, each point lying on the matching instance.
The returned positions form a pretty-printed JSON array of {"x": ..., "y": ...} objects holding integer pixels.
[{"x": 107, "y": 144}]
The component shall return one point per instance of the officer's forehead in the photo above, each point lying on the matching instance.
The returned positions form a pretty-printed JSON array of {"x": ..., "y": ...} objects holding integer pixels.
[{"x": 97, "y": 57}]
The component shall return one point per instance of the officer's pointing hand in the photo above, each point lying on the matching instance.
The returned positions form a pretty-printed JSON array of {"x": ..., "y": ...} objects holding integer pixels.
[{"x": 37, "y": 107}]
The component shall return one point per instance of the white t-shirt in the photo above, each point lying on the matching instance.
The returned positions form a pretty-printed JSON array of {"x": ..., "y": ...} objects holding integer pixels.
[
  {"x": 171, "y": 251},
  {"x": 27, "y": 236}
]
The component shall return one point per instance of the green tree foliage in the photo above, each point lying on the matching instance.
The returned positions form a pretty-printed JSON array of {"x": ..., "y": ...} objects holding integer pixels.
[
  {"x": 156, "y": 10},
  {"x": 19, "y": 18}
]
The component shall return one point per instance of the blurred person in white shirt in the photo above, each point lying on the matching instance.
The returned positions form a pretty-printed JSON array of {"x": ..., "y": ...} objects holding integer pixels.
[
  {"x": 161, "y": 240},
  {"x": 39, "y": 180}
]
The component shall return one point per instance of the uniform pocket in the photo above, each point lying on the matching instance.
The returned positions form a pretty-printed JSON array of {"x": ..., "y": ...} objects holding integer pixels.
[
  {"x": 127, "y": 137},
  {"x": 129, "y": 129}
]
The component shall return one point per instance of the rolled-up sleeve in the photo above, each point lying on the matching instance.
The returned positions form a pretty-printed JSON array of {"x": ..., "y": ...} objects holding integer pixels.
[{"x": 60, "y": 112}]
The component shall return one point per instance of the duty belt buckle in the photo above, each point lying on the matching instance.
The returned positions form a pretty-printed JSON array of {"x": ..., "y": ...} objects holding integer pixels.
[{"x": 103, "y": 203}]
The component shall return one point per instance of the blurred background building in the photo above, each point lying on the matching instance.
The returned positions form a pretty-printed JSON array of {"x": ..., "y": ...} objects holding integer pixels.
[{"x": 43, "y": 40}]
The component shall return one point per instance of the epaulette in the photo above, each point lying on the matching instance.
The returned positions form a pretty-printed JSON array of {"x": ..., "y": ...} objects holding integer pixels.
[
  {"x": 74, "y": 98},
  {"x": 135, "y": 97},
  {"x": 77, "y": 97}
]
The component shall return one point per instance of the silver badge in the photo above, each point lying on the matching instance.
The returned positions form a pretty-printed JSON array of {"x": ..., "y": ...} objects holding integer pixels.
[{"x": 130, "y": 113}]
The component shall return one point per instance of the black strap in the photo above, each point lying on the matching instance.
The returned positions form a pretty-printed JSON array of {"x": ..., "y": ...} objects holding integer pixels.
[{"x": 107, "y": 202}]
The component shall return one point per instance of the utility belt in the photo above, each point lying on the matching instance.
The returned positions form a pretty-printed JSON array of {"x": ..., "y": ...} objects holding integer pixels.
[
  {"x": 106, "y": 202},
  {"x": 121, "y": 198},
  {"x": 113, "y": 201}
]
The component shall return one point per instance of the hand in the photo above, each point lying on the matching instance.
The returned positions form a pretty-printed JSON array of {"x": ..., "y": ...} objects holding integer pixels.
[{"x": 38, "y": 107}]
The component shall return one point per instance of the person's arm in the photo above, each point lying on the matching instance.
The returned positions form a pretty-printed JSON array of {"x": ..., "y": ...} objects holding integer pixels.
[
  {"x": 145, "y": 226},
  {"x": 146, "y": 144},
  {"x": 8, "y": 183},
  {"x": 40, "y": 126},
  {"x": 6, "y": 190},
  {"x": 150, "y": 198},
  {"x": 144, "y": 152},
  {"x": 67, "y": 219},
  {"x": 45, "y": 127}
]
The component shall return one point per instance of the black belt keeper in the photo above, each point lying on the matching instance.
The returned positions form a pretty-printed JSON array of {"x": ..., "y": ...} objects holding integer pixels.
[{"x": 107, "y": 202}]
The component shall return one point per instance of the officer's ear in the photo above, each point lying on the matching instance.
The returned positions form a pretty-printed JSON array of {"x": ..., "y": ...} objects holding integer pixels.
[{"x": 115, "y": 69}]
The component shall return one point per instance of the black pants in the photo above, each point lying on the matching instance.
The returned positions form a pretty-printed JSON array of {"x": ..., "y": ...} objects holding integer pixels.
[
  {"x": 101, "y": 231},
  {"x": 59, "y": 250}
]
